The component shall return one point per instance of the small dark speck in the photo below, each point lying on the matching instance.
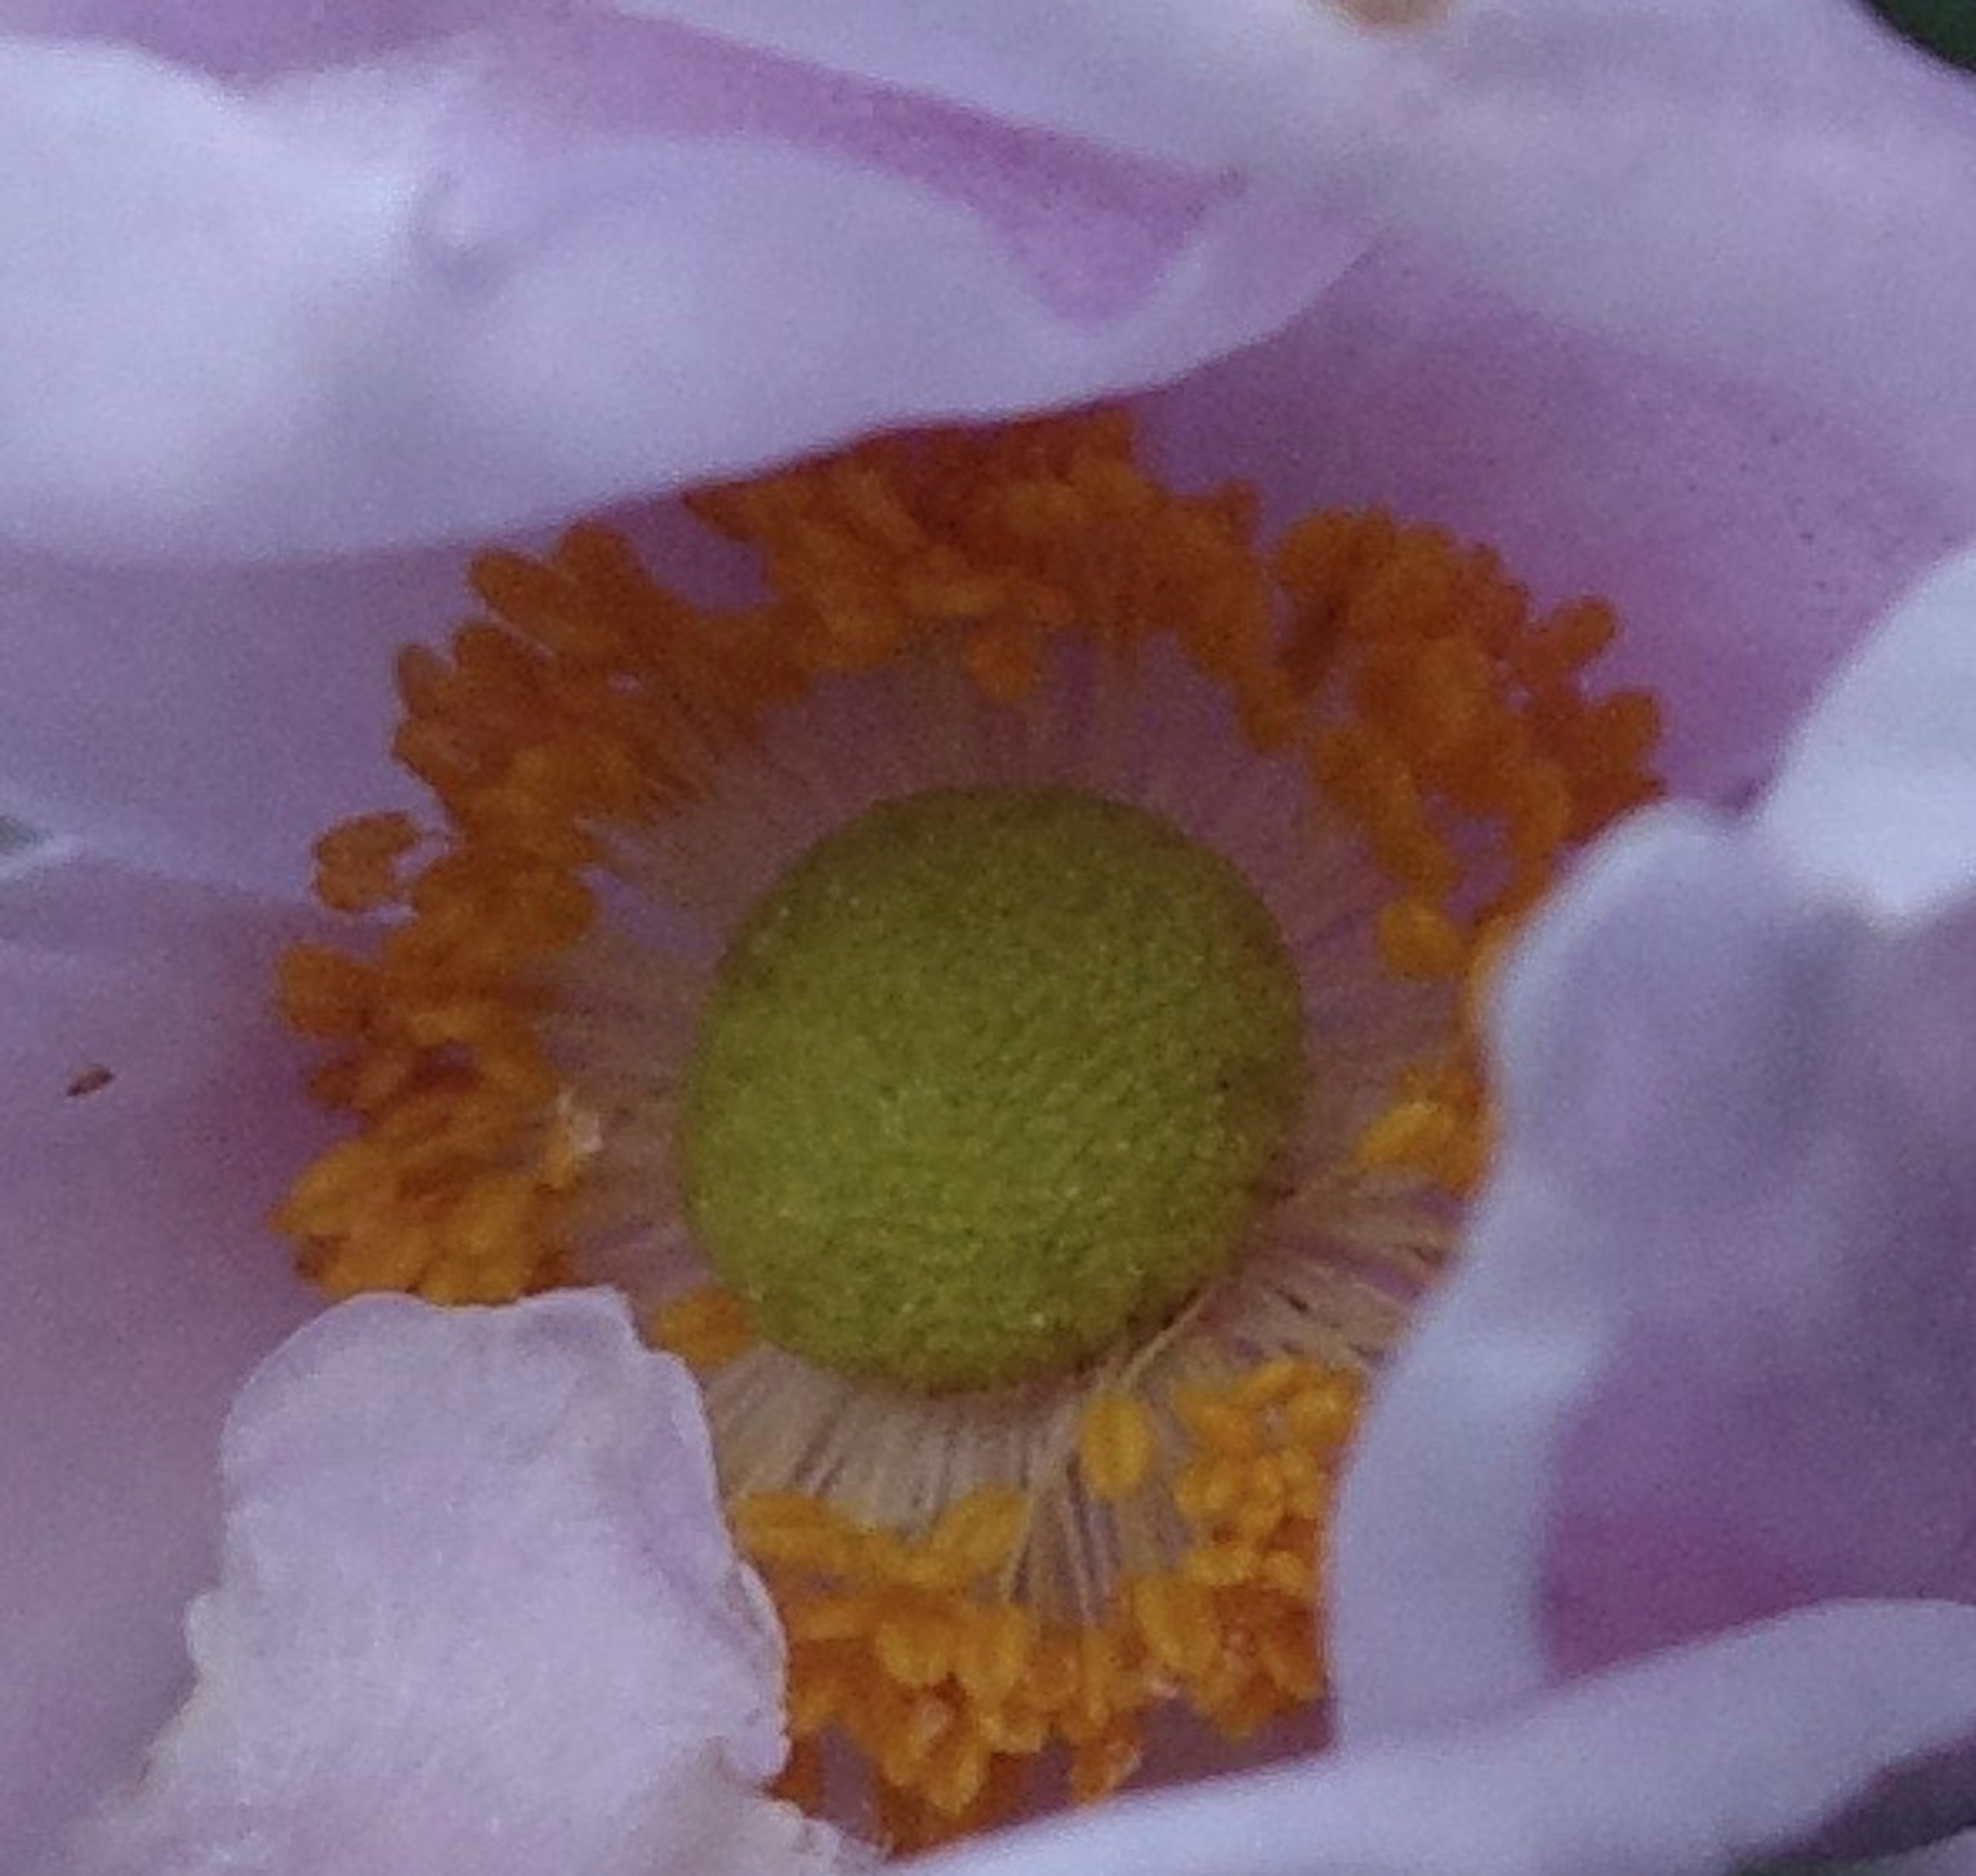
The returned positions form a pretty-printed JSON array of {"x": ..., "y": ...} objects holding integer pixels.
[{"x": 90, "y": 1080}]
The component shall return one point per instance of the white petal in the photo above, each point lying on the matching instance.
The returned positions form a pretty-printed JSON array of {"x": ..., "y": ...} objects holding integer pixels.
[
  {"x": 1876, "y": 799},
  {"x": 479, "y": 1613}
]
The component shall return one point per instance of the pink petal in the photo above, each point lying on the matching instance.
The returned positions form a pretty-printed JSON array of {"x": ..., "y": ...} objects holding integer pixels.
[
  {"x": 145, "y": 1285},
  {"x": 504, "y": 263},
  {"x": 1876, "y": 799},
  {"x": 479, "y": 1613},
  {"x": 1703, "y": 1762},
  {"x": 1778, "y": 191},
  {"x": 1711, "y": 1350}
]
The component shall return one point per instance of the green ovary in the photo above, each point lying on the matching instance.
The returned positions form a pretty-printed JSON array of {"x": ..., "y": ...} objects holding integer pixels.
[{"x": 989, "y": 1081}]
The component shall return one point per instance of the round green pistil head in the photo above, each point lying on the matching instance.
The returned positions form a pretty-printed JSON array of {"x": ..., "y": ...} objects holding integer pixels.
[{"x": 988, "y": 1082}]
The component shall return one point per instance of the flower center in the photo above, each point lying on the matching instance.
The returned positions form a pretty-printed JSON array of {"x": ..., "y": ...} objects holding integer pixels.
[
  {"x": 994, "y": 1076},
  {"x": 989, "y": 1081}
]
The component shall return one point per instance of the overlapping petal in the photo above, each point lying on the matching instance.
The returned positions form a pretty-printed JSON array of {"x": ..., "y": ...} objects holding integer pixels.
[
  {"x": 480, "y": 1613},
  {"x": 279, "y": 285},
  {"x": 1710, "y": 1354},
  {"x": 1702, "y": 1761}
]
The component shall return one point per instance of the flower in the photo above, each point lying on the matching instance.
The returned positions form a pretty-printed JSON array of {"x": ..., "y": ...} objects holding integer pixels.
[
  {"x": 1408, "y": 385},
  {"x": 995, "y": 1004}
]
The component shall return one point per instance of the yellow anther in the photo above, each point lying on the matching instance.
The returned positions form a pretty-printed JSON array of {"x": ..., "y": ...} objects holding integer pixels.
[
  {"x": 1408, "y": 1134},
  {"x": 1206, "y": 1492},
  {"x": 325, "y": 994},
  {"x": 1289, "y": 1572},
  {"x": 706, "y": 1327},
  {"x": 1271, "y": 1382},
  {"x": 1321, "y": 1418},
  {"x": 1417, "y": 940},
  {"x": 979, "y": 1533},
  {"x": 790, "y": 1529},
  {"x": 1176, "y": 1621},
  {"x": 911, "y": 1732},
  {"x": 1114, "y": 1445},
  {"x": 1100, "y": 1766},
  {"x": 915, "y": 1649},
  {"x": 1221, "y": 1425},
  {"x": 956, "y": 1772},
  {"x": 1221, "y": 1565},
  {"x": 356, "y": 863},
  {"x": 993, "y": 1651}
]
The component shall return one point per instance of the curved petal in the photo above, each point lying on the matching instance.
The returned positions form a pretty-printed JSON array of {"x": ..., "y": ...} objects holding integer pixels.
[
  {"x": 1876, "y": 798},
  {"x": 1652, "y": 1055},
  {"x": 150, "y": 1116},
  {"x": 551, "y": 255},
  {"x": 1777, "y": 190},
  {"x": 528, "y": 1646},
  {"x": 1709, "y": 1354},
  {"x": 1702, "y": 1761}
]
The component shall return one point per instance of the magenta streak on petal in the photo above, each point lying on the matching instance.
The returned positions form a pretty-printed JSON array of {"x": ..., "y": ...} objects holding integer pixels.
[{"x": 1095, "y": 230}]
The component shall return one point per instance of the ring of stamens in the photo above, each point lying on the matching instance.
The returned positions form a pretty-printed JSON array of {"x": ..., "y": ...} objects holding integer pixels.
[{"x": 970, "y": 1583}]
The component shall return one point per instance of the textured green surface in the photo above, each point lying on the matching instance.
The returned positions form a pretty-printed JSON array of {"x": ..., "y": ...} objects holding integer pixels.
[
  {"x": 988, "y": 1081},
  {"x": 1945, "y": 26}
]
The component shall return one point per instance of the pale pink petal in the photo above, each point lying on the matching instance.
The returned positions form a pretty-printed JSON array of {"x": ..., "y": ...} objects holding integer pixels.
[
  {"x": 1704, "y": 1762},
  {"x": 508, "y": 262},
  {"x": 150, "y": 1117},
  {"x": 1646, "y": 1051},
  {"x": 1778, "y": 190},
  {"x": 1711, "y": 1352},
  {"x": 479, "y": 1615},
  {"x": 1876, "y": 799}
]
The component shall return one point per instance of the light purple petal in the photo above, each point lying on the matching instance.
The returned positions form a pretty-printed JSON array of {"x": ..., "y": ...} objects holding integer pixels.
[
  {"x": 1711, "y": 1352},
  {"x": 1703, "y": 1762},
  {"x": 144, "y": 1286},
  {"x": 1778, "y": 190},
  {"x": 209, "y": 724},
  {"x": 507, "y": 263},
  {"x": 1876, "y": 799},
  {"x": 1652, "y": 1067},
  {"x": 480, "y": 1615}
]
